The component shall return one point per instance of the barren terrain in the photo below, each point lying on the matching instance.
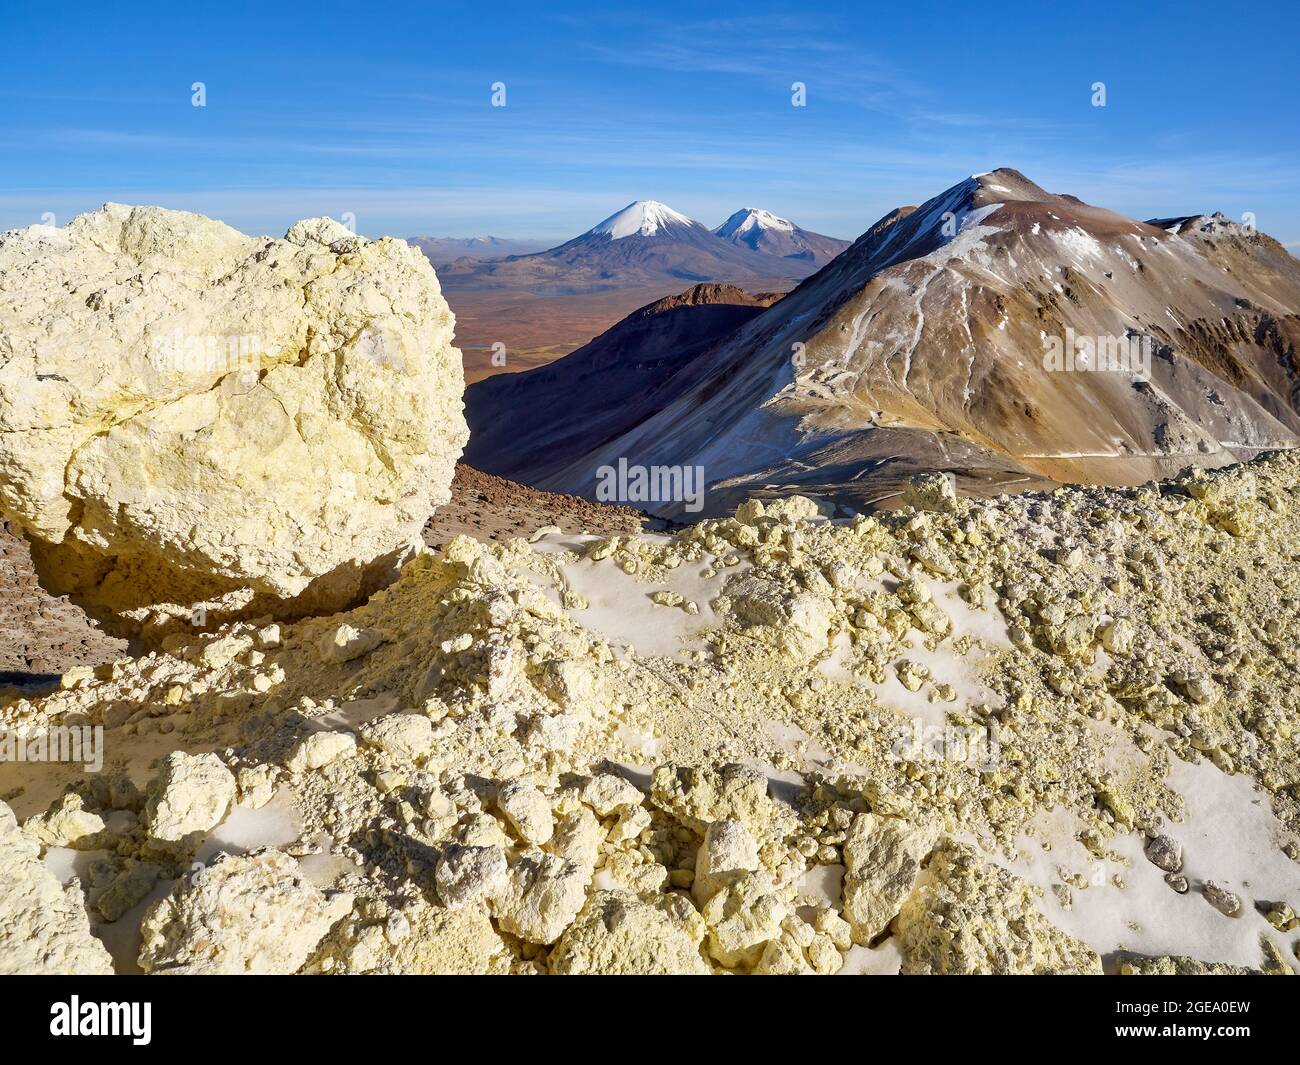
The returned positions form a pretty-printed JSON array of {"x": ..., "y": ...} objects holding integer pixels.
[
  {"x": 538, "y": 329},
  {"x": 42, "y": 635}
]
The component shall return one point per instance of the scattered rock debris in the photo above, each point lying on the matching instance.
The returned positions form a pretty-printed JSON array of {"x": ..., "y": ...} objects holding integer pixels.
[{"x": 497, "y": 782}]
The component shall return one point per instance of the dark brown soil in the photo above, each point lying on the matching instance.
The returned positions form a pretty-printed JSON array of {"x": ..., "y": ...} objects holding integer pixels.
[
  {"x": 492, "y": 508},
  {"x": 39, "y": 633}
]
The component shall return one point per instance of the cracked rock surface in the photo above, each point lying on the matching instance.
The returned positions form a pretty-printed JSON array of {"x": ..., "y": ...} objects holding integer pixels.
[
  {"x": 43, "y": 925},
  {"x": 191, "y": 415}
]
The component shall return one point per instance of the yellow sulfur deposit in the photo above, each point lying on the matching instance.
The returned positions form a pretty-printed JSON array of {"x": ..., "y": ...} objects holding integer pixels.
[{"x": 935, "y": 740}]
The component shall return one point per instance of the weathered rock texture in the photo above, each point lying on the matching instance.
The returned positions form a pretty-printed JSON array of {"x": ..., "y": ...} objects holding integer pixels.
[
  {"x": 244, "y": 914},
  {"x": 188, "y": 413},
  {"x": 455, "y": 751},
  {"x": 43, "y": 926},
  {"x": 190, "y": 794}
]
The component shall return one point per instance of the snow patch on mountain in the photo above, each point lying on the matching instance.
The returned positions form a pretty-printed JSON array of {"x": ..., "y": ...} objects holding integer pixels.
[
  {"x": 643, "y": 218},
  {"x": 748, "y": 218},
  {"x": 1078, "y": 244}
]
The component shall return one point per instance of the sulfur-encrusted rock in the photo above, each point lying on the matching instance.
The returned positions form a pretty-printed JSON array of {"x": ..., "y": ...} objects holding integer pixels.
[
  {"x": 931, "y": 491},
  {"x": 467, "y": 875},
  {"x": 192, "y": 793},
  {"x": 249, "y": 913},
  {"x": 608, "y": 794},
  {"x": 968, "y": 916},
  {"x": 43, "y": 925},
  {"x": 318, "y": 749},
  {"x": 543, "y": 895},
  {"x": 803, "y": 619},
  {"x": 742, "y": 918},
  {"x": 432, "y": 940},
  {"x": 700, "y": 795},
  {"x": 1273, "y": 964},
  {"x": 116, "y": 890},
  {"x": 66, "y": 824},
  {"x": 343, "y": 643},
  {"x": 527, "y": 810},
  {"x": 188, "y": 413},
  {"x": 403, "y": 737},
  {"x": 790, "y": 510},
  {"x": 578, "y": 836},
  {"x": 617, "y": 933},
  {"x": 1226, "y": 902},
  {"x": 727, "y": 853},
  {"x": 882, "y": 860}
]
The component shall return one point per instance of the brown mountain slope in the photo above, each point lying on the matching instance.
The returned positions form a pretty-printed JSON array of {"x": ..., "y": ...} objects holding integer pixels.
[
  {"x": 927, "y": 344},
  {"x": 534, "y": 423}
]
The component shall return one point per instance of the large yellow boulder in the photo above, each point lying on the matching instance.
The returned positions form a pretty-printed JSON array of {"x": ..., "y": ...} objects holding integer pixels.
[{"x": 188, "y": 413}]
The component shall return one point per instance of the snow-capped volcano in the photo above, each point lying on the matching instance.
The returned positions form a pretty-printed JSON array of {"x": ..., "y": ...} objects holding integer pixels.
[
  {"x": 768, "y": 233},
  {"x": 644, "y": 218},
  {"x": 750, "y": 220},
  {"x": 648, "y": 243}
]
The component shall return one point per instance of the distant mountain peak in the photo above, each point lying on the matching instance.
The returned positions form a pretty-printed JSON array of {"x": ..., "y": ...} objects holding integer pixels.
[
  {"x": 771, "y": 234},
  {"x": 748, "y": 218},
  {"x": 648, "y": 243},
  {"x": 643, "y": 218}
]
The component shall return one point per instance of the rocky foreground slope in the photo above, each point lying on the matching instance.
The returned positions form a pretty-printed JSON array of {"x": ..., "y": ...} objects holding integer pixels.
[
  {"x": 1044, "y": 733},
  {"x": 188, "y": 413},
  {"x": 1007, "y": 334},
  {"x": 43, "y": 635}
]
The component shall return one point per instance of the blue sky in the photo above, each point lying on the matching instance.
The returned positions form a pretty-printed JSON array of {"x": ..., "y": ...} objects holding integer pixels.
[{"x": 384, "y": 110}]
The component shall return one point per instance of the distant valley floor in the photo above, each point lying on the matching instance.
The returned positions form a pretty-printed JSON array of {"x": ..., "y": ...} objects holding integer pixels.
[{"x": 538, "y": 329}]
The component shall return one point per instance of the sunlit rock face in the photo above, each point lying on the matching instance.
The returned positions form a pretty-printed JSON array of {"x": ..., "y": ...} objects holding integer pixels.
[{"x": 188, "y": 413}]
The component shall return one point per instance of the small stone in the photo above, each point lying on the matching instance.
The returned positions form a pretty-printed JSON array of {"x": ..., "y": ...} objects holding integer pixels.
[
  {"x": 1221, "y": 899},
  {"x": 1282, "y": 917},
  {"x": 607, "y": 794},
  {"x": 527, "y": 810},
  {"x": 192, "y": 793},
  {"x": 345, "y": 642},
  {"x": 932, "y": 491},
  {"x": 1165, "y": 853},
  {"x": 66, "y": 824},
  {"x": 543, "y": 895},
  {"x": 911, "y": 675},
  {"x": 397, "y": 928},
  {"x": 466, "y": 875},
  {"x": 1070, "y": 558},
  {"x": 126, "y": 887},
  {"x": 1118, "y": 636},
  {"x": 318, "y": 749},
  {"x": 727, "y": 853},
  {"x": 256, "y": 785},
  {"x": 403, "y": 737}
]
